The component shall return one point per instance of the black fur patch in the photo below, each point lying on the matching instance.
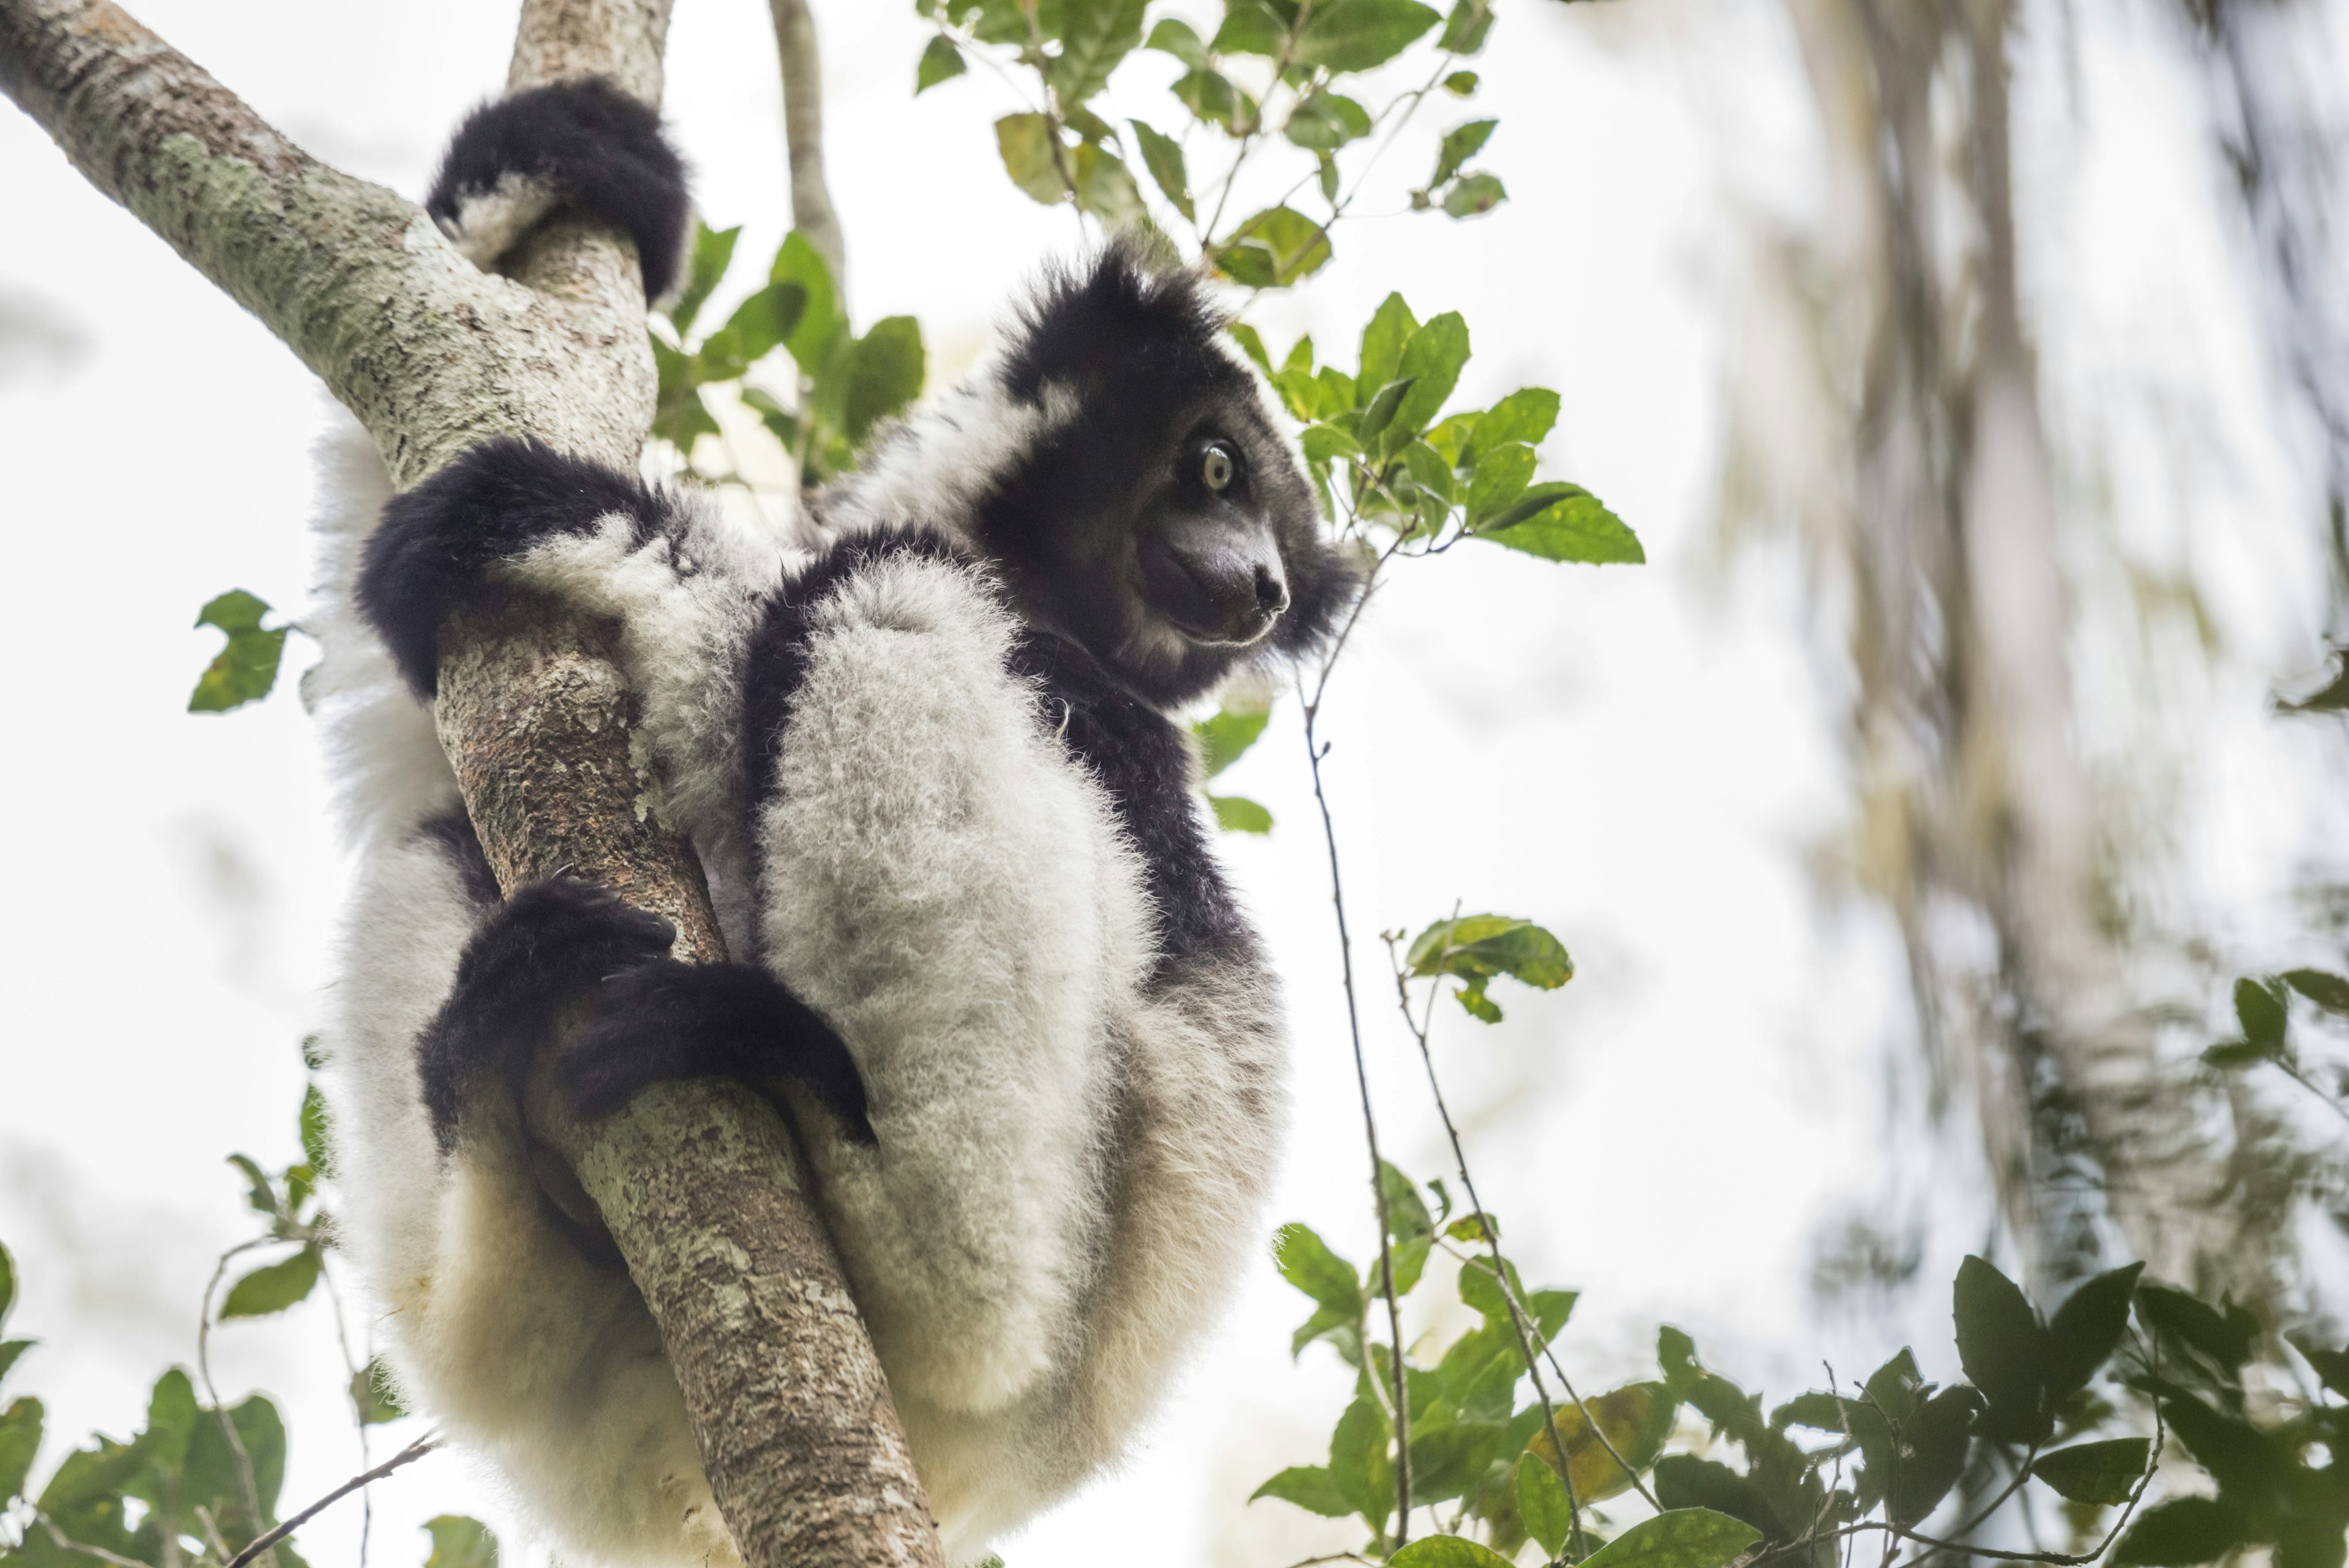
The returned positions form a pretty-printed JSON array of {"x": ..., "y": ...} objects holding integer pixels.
[
  {"x": 667, "y": 1020},
  {"x": 452, "y": 832},
  {"x": 436, "y": 543},
  {"x": 1130, "y": 316},
  {"x": 599, "y": 148},
  {"x": 777, "y": 661},
  {"x": 1143, "y": 761},
  {"x": 542, "y": 950}
]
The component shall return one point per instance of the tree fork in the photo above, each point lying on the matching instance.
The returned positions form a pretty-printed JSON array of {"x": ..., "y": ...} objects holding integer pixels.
[{"x": 701, "y": 1184}]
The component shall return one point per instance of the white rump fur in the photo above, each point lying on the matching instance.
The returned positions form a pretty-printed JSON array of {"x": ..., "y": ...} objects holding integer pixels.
[{"x": 1071, "y": 1159}]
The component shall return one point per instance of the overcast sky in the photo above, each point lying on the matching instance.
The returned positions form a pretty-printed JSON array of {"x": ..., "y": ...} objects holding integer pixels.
[{"x": 1645, "y": 759}]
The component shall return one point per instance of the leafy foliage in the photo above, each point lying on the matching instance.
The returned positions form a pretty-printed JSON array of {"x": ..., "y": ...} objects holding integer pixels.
[{"x": 246, "y": 670}]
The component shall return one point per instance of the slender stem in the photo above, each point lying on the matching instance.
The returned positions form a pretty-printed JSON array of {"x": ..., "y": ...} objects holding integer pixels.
[
  {"x": 65, "y": 1543},
  {"x": 415, "y": 1451},
  {"x": 1313, "y": 752},
  {"x": 2331, "y": 1104},
  {"x": 204, "y": 1368},
  {"x": 358, "y": 1413}
]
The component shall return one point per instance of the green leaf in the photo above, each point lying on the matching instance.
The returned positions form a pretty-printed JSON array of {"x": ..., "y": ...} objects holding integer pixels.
[
  {"x": 1176, "y": 39},
  {"x": 1095, "y": 34},
  {"x": 1542, "y": 1504},
  {"x": 1684, "y": 1480},
  {"x": 2329, "y": 992},
  {"x": 2332, "y": 1365},
  {"x": 1325, "y": 121},
  {"x": 1026, "y": 143},
  {"x": 1238, "y": 814},
  {"x": 713, "y": 252},
  {"x": 1461, "y": 84},
  {"x": 821, "y": 321},
  {"x": 2181, "y": 1532},
  {"x": 214, "y": 1478},
  {"x": 245, "y": 669},
  {"x": 313, "y": 1127},
  {"x": 1636, "y": 1419},
  {"x": 1446, "y": 1551},
  {"x": 20, "y": 1440},
  {"x": 1356, "y": 35},
  {"x": 1459, "y": 145},
  {"x": 1226, "y": 736},
  {"x": 2258, "y": 1008},
  {"x": 1273, "y": 249},
  {"x": 1163, "y": 156},
  {"x": 1473, "y": 194},
  {"x": 941, "y": 61},
  {"x": 678, "y": 417},
  {"x": 1359, "y": 1462},
  {"x": 1376, "y": 418},
  {"x": 1475, "y": 949},
  {"x": 887, "y": 375},
  {"x": 1250, "y": 27},
  {"x": 1525, "y": 415},
  {"x": 1466, "y": 29},
  {"x": 259, "y": 1195},
  {"x": 1430, "y": 362},
  {"x": 10, "y": 1349},
  {"x": 272, "y": 1287},
  {"x": 2003, "y": 1348},
  {"x": 1105, "y": 186},
  {"x": 2095, "y": 1472},
  {"x": 461, "y": 1543},
  {"x": 1251, "y": 343},
  {"x": 371, "y": 1395},
  {"x": 1683, "y": 1538},
  {"x": 1391, "y": 327},
  {"x": 1564, "y": 523},
  {"x": 7, "y": 1283},
  {"x": 1306, "y": 1262},
  {"x": 2086, "y": 1329},
  {"x": 1310, "y": 1487},
  {"x": 758, "y": 326},
  {"x": 2227, "y": 1338},
  {"x": 1934, "y": 1442},
  {"x": 1211, "y": 97},
  {"x": 2232, "y": 1053},
  {"x": 1502, "y": 473}
]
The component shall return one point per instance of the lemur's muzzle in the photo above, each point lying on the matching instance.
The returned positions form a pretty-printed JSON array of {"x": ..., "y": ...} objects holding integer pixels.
[{"x": 1221, "y": 585}]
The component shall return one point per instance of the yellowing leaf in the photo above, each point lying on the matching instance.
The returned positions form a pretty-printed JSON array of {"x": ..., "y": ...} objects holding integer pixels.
[{"x": 1636, "y": 1419}]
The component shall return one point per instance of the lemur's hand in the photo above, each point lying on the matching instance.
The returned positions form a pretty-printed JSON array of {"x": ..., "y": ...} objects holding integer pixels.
[
  {"x": 545, "y": 948},
  {"x": 582, "y": 144},
  {"x": 667, "y": 1020},
  {"x": 440, "y": 544}
]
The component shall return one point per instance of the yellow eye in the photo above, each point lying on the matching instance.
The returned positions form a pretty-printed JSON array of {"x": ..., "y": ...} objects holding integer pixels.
[{"x": 1215, "y": 467}]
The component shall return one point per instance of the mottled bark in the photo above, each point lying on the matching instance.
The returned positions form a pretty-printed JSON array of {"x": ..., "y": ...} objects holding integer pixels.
[
  {"x": 803, "y": 70},
  {"x": 699, "y": 1184}
]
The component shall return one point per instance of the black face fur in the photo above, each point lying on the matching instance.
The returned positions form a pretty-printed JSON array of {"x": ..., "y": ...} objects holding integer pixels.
[{"x": 1166, "y": 525}]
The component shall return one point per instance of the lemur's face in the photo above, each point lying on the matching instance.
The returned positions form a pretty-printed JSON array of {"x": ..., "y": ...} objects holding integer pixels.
[{"x": 1164, "y": 522}]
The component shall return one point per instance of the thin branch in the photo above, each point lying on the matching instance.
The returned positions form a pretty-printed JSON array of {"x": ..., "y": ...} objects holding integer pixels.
[
  {"x": 802, "y": 72},
  {"x": 415, "y": 1451},
  {"x": 204, "y": 1369},
  {"x": 1371, "y": 1131},
  {"x": 66, "y": 1543}
]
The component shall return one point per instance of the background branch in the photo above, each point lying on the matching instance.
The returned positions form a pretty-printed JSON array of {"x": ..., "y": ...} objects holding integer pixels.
[
  {"x": 803, "y": 69},
  {"x": 698, "y": 1183}
]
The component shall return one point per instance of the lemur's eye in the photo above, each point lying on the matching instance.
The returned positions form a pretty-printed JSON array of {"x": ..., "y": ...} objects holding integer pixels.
[{"x": 1216, "y": 466}]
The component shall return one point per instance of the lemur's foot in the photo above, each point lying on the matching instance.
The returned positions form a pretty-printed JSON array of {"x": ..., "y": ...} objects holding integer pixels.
[
  {"x": 440, "y": 544},
  {"x": 666, "y": 1020},
  {"x": 542, "y": 950}
]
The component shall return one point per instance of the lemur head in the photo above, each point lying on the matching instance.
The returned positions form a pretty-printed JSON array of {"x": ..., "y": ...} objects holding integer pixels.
[
  {"x": 1119, "y": 467},
  {"x": 1158, "y": 518}
]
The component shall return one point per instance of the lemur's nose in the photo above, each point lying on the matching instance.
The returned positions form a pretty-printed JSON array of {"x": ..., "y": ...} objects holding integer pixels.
[{"x": 1271, "y": 594}]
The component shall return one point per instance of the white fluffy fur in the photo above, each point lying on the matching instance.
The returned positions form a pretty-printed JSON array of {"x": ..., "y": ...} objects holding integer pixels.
[
  {"x": 1070, "y": 1162},
  {"x": 488, "y": 223}
]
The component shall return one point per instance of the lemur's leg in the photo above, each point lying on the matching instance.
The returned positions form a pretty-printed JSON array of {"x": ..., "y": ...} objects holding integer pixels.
[
  {"x": 668, "y": 1020},
  {"x": 583, "y": 144},
  {"x": 949, "y": 892}
]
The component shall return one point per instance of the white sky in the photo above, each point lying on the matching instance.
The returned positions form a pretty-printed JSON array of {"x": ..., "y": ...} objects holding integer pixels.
[{"x": 1644, "y": 759}]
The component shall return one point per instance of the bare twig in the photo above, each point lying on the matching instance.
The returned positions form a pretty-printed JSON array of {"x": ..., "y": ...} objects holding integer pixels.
[
  {"x": 415, "y": 1451},
  {"x": 66, "y": 1543},
  {"x": 802, "y": 72}
]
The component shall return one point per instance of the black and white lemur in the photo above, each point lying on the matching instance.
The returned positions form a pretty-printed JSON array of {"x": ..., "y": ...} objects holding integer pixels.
[{"x": 925, "y": 752}]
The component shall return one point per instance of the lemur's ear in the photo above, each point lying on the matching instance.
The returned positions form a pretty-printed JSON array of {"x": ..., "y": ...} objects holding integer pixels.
[
  {"x": 583, "y": 144},
  {"x": 1131, "y": 307}
]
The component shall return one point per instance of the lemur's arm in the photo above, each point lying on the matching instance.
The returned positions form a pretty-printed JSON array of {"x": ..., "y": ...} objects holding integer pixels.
[{"x": 583, "y": 144}]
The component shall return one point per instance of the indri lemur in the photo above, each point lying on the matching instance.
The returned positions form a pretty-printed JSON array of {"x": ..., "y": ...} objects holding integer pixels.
[{"x": 926, "y": 755}]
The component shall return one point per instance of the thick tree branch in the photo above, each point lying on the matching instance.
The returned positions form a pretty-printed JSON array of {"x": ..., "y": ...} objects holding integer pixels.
[
  {"x": 803, "y": 69},
  {"x": 700, "y": 1186}
]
